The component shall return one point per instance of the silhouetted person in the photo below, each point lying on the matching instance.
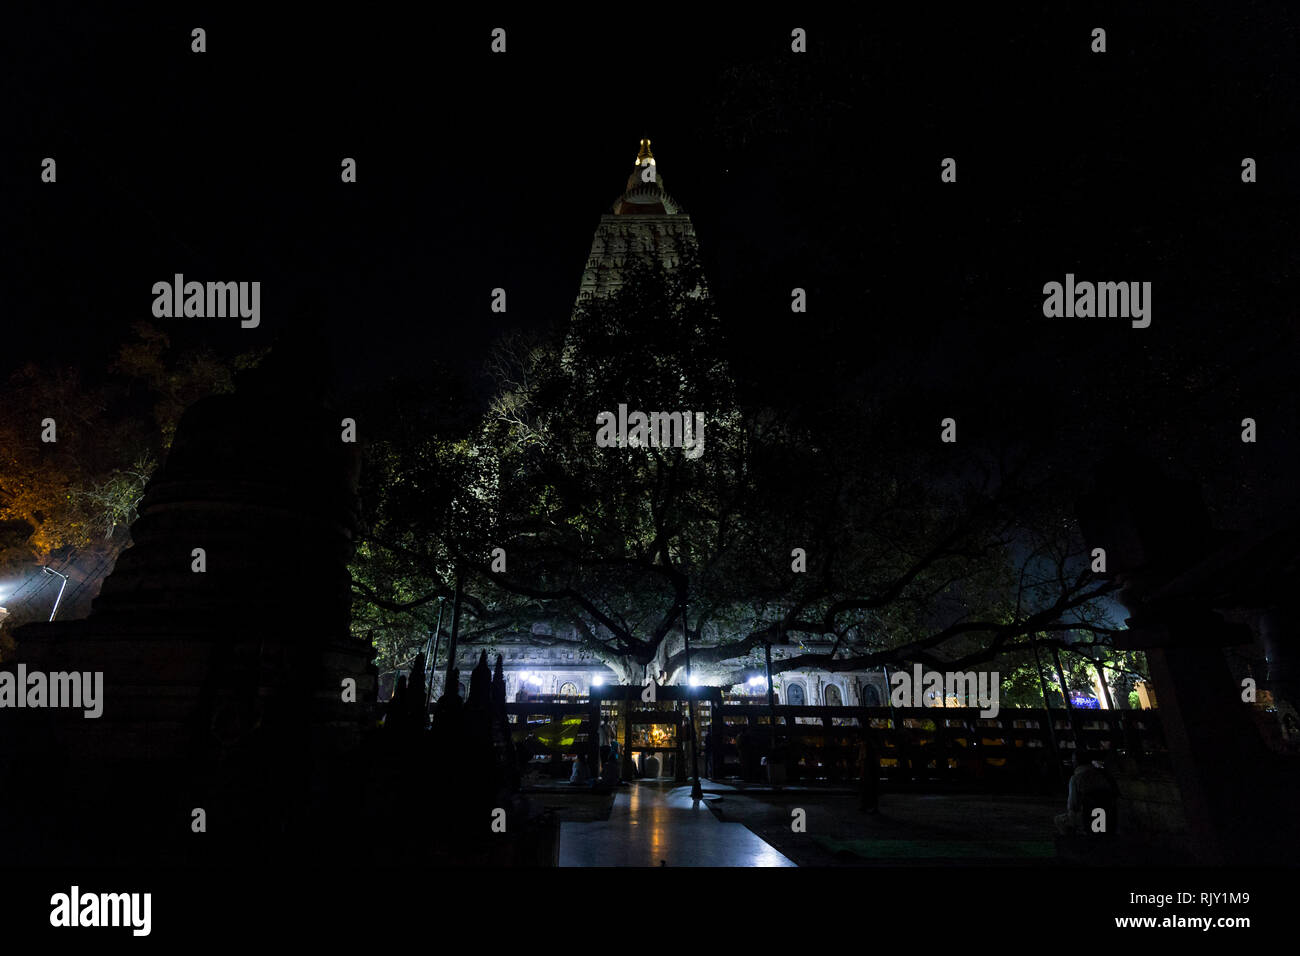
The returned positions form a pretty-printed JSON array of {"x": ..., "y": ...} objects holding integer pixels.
[
  {"x": 448, "y": 723},
  {"x": 606, "y": 738},
  {"x": 479, "y": 754},
  {"x": 449, "y": 703},
  {"x": 395, "y": 717},
  {"x": 416, "y": 690},
  {"x": 609, "y": 775},
  {"x": 1090, "y": 789},
  {"x": 581, "y": 773}
]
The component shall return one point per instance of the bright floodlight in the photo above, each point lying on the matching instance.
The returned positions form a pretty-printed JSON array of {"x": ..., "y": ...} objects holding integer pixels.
[
  {"x": 597, "y": 680},
  {"x": 695, "y": 681}
]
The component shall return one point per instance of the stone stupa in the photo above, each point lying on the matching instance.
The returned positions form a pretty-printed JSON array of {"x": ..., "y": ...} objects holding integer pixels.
[{"x": 224, "y": 688}]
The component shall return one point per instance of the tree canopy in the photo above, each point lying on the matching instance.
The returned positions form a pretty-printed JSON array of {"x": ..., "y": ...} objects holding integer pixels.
[{"x": 843, "y": 531}]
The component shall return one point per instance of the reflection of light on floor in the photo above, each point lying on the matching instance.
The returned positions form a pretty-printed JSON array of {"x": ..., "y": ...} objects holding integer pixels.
[{"x": 678, "y": 831}]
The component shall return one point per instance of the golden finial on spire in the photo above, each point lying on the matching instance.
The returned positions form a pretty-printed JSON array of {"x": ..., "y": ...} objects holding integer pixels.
[{"x": 645, "y": 155}]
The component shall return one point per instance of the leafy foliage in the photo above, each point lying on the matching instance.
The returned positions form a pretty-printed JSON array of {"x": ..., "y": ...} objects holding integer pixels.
[
  {"x": 914, "y": 551},
  {"x": 80, "y": 492}
]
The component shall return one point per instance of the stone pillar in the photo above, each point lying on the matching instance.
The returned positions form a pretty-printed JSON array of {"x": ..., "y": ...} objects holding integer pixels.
[
  {"x": 681, "y": 728},
  {"x": 630, "y": 697}
]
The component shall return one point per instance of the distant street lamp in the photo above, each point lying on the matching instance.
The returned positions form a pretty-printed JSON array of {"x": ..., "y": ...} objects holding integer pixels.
[{"x": 49, "y": 570}]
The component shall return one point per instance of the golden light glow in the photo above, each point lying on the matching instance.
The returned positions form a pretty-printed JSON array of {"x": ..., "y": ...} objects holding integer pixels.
[{"x": 645, "y": 156}]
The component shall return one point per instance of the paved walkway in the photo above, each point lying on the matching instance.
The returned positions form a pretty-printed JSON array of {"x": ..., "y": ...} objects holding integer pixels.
[
  {"x": 652, "y": 825},
  {"x": 921, "y": 829}
]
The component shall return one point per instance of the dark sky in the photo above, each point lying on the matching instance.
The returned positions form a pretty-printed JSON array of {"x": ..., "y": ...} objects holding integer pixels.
[
  {"x": 475, "y": 171},
  {"x": 821, "y": 171}
]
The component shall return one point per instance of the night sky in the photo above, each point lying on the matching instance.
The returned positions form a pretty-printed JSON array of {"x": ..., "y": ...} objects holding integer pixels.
[{"x": 822, "y": 171}]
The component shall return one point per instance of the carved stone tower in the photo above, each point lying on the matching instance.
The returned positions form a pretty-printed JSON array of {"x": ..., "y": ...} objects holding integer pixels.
[{"x": 645, "y": 222}]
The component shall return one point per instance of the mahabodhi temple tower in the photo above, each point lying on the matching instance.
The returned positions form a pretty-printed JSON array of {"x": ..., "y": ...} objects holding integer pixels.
[{"x": 645, "y": 222}]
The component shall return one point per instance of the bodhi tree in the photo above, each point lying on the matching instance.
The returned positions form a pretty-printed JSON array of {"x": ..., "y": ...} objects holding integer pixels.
[
  {"x": 839, "y": 529},
  {"x": 600, "y": 547}
]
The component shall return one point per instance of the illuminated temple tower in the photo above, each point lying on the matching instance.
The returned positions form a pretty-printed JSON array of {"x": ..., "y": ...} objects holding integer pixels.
[{"x": 645, "y": 222}]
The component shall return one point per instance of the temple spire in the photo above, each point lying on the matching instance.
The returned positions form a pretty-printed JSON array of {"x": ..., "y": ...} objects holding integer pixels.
[
  {"x": 644, "y": 223},
  {"x": 645, "y": 156},
  {"x": 640, "y": 178}
]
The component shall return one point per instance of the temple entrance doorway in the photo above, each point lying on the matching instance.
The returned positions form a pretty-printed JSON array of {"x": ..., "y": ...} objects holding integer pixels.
[{"x": 655, "y": 741}]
